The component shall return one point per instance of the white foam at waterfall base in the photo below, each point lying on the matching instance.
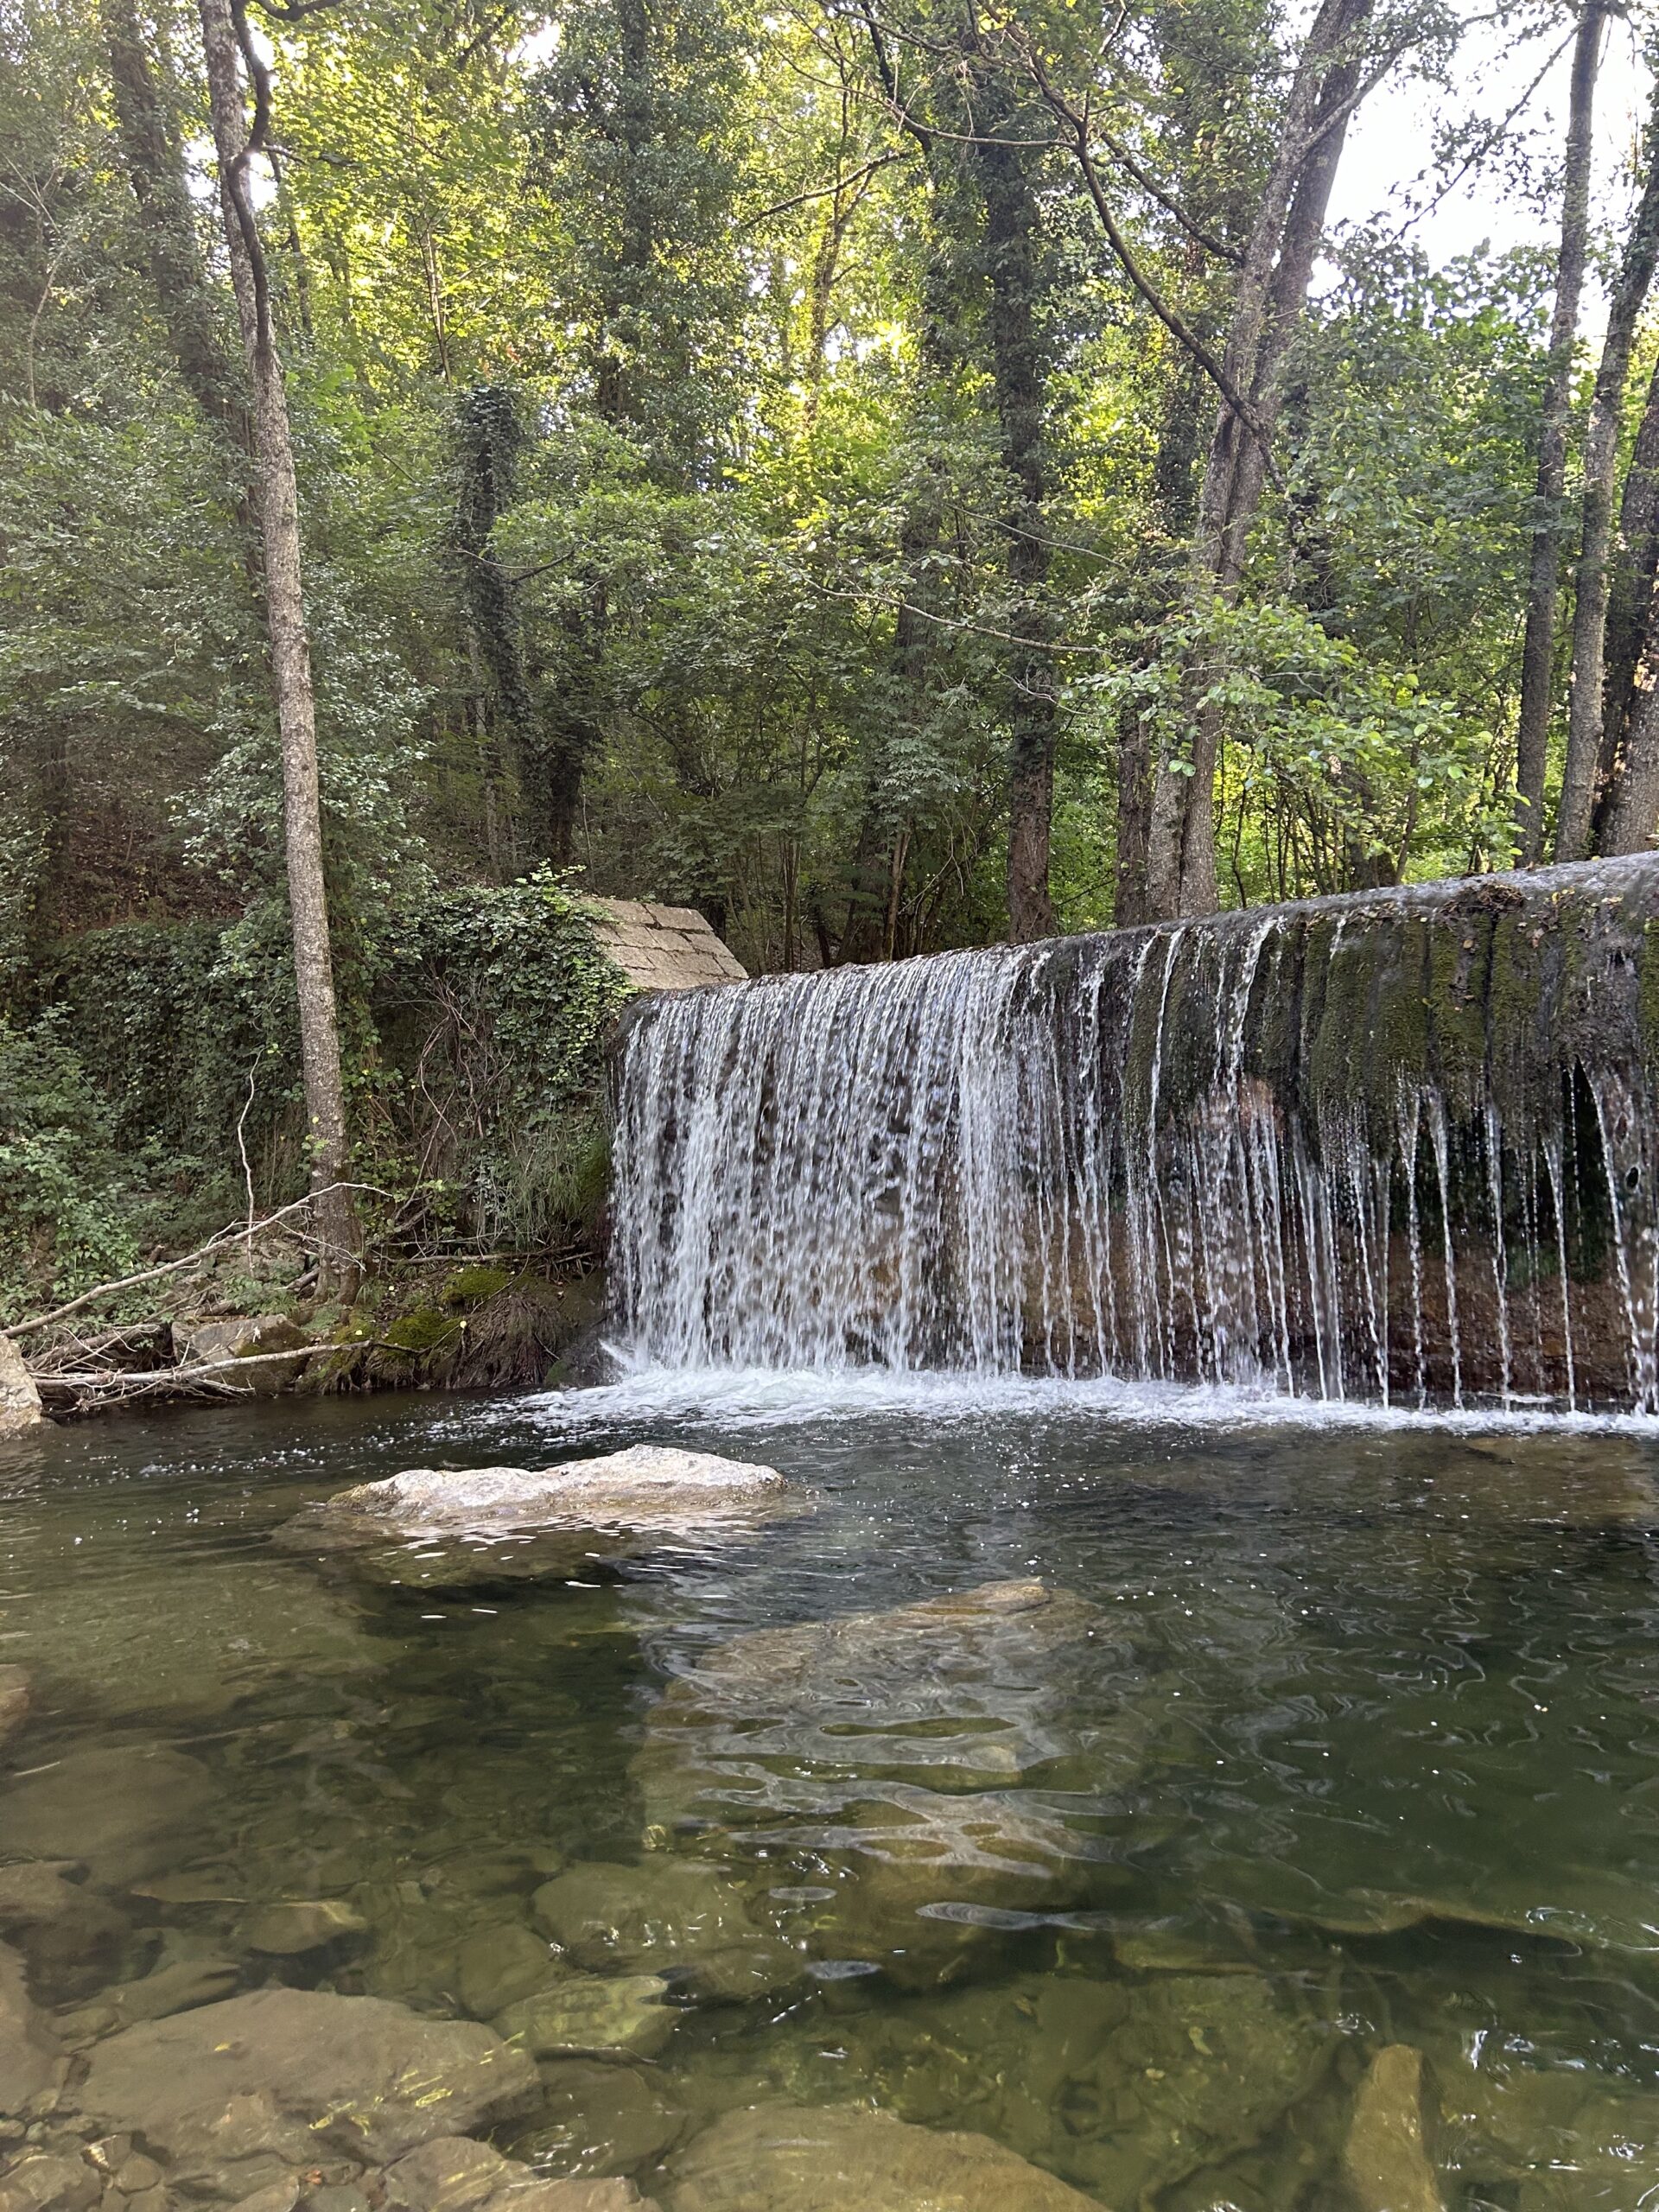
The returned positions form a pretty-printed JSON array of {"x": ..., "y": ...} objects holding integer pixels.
[{"x": 652, "y": 1398}]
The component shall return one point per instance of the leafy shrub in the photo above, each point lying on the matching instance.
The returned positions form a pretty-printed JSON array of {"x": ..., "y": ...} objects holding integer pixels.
[
  {"x": 474, "y": 1061},
  {"x": 66, "y": 1214},
  {"x": 494, "y": 1049}
]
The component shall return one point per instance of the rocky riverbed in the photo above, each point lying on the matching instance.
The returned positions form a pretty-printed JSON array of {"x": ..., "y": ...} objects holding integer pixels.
[{"x": 910, "y": 1822}]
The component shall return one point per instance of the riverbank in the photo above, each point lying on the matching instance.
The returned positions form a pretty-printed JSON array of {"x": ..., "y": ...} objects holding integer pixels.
[{"x": 243, "y": 1318}]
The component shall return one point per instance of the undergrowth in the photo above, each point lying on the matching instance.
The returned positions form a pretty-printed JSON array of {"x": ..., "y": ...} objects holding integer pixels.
[{"x": 149, "y": 1089}]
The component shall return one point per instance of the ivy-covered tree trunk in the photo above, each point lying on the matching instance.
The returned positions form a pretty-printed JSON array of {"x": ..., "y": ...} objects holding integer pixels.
[
  {"x": 146, "y": 127},
  {"x": 1543, "y": 580},
  {"x": 276, "y": 505},
  {"x": 1019, "y": 376},
  {"x": 1175, "y": 502},
  {"x": 486, "y": 436}
]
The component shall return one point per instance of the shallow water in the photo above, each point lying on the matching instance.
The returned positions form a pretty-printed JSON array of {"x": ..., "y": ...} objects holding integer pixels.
[{"x": 1357, "y": 1749}]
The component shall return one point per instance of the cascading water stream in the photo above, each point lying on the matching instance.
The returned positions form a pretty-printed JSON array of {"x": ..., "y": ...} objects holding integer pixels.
[{"x": 1398, "y": 1149}]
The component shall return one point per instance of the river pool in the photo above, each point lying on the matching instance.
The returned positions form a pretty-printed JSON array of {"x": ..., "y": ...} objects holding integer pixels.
[{"x": 1320, "y": 1740}]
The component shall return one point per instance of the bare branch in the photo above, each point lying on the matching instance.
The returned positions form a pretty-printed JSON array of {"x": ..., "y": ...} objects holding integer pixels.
[
  {"x": 1077, "y": 125},
  {"x": 823, "y": 192},
  {"x": 172, "y": 1267},
  {"x": 1171, "y": 206}
]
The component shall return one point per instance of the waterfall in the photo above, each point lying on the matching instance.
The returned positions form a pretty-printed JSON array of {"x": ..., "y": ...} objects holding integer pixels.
[{"x": 1397, "y": 1148}]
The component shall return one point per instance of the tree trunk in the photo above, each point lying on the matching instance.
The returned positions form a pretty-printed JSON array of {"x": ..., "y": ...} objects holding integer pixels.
[
  {"x": 150, "y": 150},
  {"x": 487, "y": 437},
  {"x": 1270, "y": 297},
  {"x": 1175, "y": 498},
  {"x": 1017, "y": 373},
  {"x": 1538, "y": 648},
  {"x": 1594, "y": 579},
  {"x": 1631, "y": 805},
  {"x": 277, "y": 505},
  {"x": 1630, "y": 609},
  {"x": 1634, "y": 810}
]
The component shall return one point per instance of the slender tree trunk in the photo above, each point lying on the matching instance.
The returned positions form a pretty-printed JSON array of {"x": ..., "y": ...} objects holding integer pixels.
[
  {"x": 1269, "y": 296},
  {"x": 876, "y": 890},
  {"x": 1538, "y": 648},
  {"x": 1594, "y": 579},
  {"x": 487, "y": 436},
  {"x": 1633, "y": 811},
  {"x": 276, "y": 504},
  {"x": 1174, "y": 496},
  {"x": 1018, "y": 374},
  {"x": 1630, "y": 604}
]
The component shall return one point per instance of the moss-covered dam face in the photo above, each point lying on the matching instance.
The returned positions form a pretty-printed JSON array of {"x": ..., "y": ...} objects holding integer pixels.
[{"x": 1398, "y": 1146}]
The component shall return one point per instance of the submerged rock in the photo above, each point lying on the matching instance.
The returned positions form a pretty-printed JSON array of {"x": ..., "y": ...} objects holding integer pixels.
[
  {"x": 178, "y": 1986},
  {"x": 780, "y": 2157},
  {"x": 292, "y": 1926},
  {"x": 589, "y": 2015},
  {"x": 667, "y": 1917},
  {"x": 1550, "y": 2140},
  {"x": 912, "y": 1763},
  {"x": 72, "y": 1937},
  {"x": 45, "y": 2181},
  {"x": 1123, "y": 2089},
  {"x": 436, "y": 1527},
  {"x": 1386, "y": 2159},
  {"x": 14, "y": 1702},
  {"x": 196, "y": 1636},
  {"x": 456, "y": 2174},
  {"x": 1600, "y": 1908},
  {"x": 501, "y": 1966},
  {"x": 1151, "y": 1949},
  {"x": 123, "y": 1811},
  {"x": 231, "y": 2097},
  {"x": 28, "y": 2047},
  {"x": 599, "y": 2117}
]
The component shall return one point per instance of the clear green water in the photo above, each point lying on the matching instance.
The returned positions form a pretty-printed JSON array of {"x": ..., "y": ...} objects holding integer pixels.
[{"x": 1361, "y": 1750}]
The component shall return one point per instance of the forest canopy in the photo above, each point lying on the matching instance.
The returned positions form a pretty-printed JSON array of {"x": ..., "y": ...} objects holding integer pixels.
[{"x": 889, "y": 473}]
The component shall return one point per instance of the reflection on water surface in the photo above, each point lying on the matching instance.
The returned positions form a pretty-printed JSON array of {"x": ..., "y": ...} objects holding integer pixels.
[{"x": 1281, "y": 1784}]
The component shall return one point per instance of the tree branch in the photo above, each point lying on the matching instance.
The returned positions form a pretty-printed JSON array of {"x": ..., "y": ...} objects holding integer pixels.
[
  {"x": 1077, "y": 125},
  {"x": 823, "y": 192},
  {"x": 172, "y": 1267}
]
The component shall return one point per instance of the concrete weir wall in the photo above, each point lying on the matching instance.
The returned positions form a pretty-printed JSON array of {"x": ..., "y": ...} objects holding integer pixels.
[{"x": 1399, "y": 1146}]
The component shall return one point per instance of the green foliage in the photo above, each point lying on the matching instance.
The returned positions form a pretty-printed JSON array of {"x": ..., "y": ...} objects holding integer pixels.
[
  {"x": 477, "y": 1076},
  {"x": 67, "y": 1212},
  {"x": 1354, "y": 766},
  {"x": 653, "y": 446},
  {"x": 495, "y": 1015}
]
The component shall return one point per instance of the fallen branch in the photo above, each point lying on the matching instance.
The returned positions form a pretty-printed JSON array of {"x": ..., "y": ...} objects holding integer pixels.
[
  {"x": 204, "y": 1378},
  {"x": 233, "y": 1235}
]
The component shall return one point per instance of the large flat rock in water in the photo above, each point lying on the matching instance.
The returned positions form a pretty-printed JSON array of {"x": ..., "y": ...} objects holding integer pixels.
[
  {"x": 433, "y": 1526},
  {"x": 841, "y": 2158},
  {"x": 1125, "y": 2088},
  {"x": 124, "y": 1811},
  {"x": 928, "y": 1758},
  {"x": 232, "y": 2097}
]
